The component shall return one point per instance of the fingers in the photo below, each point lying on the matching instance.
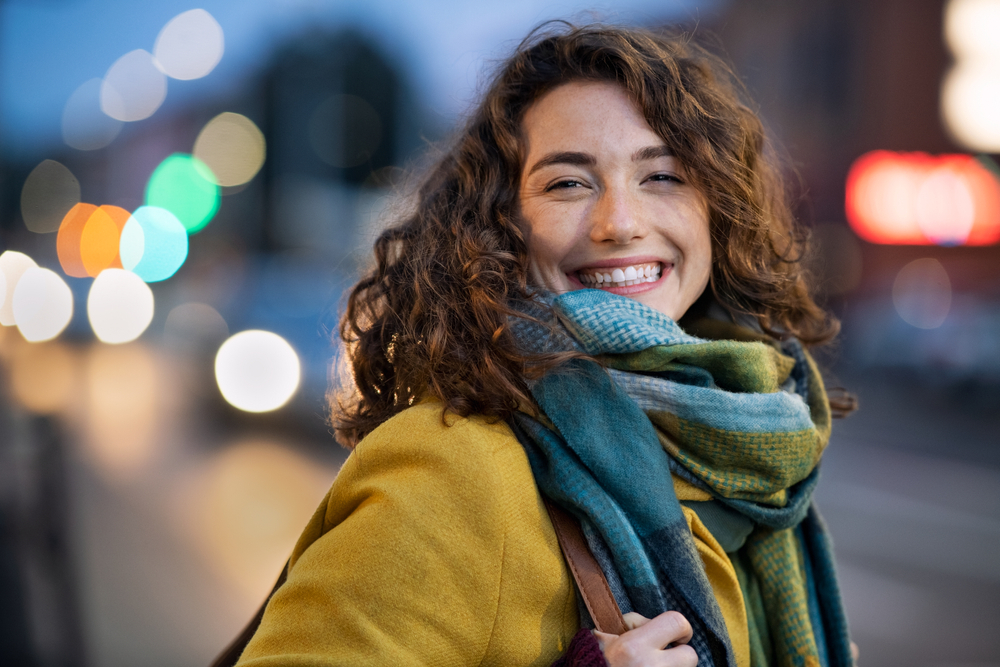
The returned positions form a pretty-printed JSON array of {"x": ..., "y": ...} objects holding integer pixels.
[
  {"x": 670, "y": 627},
  {"x": 680, "y": 656},
  {"x": 855, "y": 651},
  {"x": 645, "y": 644},
  {"x": 634, "y": 620}
]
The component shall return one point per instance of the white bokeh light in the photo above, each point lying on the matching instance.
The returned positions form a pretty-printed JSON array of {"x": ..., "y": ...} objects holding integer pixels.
[
  {"x": 42, "y": 304},
  {"x": 970, "y": 97},
  {"x": 133, "y": 88},
  {"x": 13, "y": 265},
  {"x": 970, "y": 93},
  {"x": 84, "y": 126},
  {"x": 257, "y": 371},
  {"x": 190, "y": 45},
  {"x": 119, "y": 306},
  {"x": 971, "y": 27}
]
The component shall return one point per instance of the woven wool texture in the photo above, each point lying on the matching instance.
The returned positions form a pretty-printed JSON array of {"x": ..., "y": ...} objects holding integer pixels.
[{"x": 741, "y": 416}]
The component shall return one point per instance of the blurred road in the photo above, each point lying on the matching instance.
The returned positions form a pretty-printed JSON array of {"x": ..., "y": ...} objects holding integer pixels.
[
  {"x": 917, "y": 542},
  {"x": 910, "y": 488}
]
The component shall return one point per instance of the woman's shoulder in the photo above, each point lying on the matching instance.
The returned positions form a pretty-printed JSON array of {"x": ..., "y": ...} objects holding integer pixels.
[
  {"x": 428, "y": 462},
  {"x": 431, "y": 543},
  {"x": 428, "y": 428}
]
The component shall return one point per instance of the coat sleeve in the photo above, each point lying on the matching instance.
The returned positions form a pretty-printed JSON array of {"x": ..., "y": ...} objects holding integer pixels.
[{"x": 400, "y": 565}]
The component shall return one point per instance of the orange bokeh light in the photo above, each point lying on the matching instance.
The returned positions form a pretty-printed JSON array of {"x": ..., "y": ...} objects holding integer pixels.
[
  {"x": 100, "y": 239},
  {"x": 920, "y": 199},
  {"x": 88, "y": 239},
  {"x": 68, "y": 239}
]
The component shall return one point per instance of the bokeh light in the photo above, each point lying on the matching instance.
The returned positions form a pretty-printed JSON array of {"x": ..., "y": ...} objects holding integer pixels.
[
  {"x": 186, "y": 187},
  {"x": 971, "y": 27},
  {"x": 921, "y": 293},
  {"x": 13, "y": 265},
  {"x": 43, "y": 377},
  {"x": 190, "y": 45},
  {"x": 329, "y": 139},
  {"x": 257, "y": 371},
  {"x": 42, "y": 304},
  {"x": 133, "y": 87},
  {"x": 970, "y": 96},
  {"x": 123, "y": 386},
  {"x": 919, "y": 199},
  {"x": 945, "y": 208},
  {"x": 119, "y": 306},
  {"x": 154, "y": 244},
  {"x": 231, "y": 146},
  {"x": 84, "y": 125},
  {"x": 68, "y": 239},
  {"x": 970, "y": 93},
  {"x": 194, "y": 326},
  {"x": 100, "y": 239},
  {"x": 49, "y": 192}
]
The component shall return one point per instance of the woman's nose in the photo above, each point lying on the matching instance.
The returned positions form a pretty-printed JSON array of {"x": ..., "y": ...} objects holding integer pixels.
[{"x": 617, "y": 219}]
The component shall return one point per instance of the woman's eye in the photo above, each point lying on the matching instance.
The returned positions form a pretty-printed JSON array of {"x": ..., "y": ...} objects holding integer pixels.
[
  {"x": 564, "y": 185},
  {"x": 671, "y": 178}
]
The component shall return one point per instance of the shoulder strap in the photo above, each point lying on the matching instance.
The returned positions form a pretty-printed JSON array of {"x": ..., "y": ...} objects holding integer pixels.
[
  {"x": 231, "y": 654},
  {"x": 589, "y": 577}
]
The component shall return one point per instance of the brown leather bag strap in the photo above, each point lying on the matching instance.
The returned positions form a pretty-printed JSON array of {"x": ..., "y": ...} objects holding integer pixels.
[
  {"x": 589, "y": 577},
  {"x": 231, "y": 654}
]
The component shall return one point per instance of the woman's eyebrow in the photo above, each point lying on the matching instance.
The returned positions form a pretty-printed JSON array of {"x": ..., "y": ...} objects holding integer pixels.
[
  {"x": 564, "y": 157},
  {"x": 651, "y": 153}
]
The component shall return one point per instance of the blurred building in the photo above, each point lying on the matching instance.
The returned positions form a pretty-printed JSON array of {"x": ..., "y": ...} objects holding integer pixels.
[{"x": 143, "y": 516}]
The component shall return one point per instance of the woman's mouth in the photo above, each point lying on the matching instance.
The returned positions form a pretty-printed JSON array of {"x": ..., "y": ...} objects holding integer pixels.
[{"x": 620, "y": 276}]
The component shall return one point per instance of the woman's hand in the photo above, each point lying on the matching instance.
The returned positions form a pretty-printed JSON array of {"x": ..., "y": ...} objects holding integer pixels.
[{"x": 646, "y": 640}]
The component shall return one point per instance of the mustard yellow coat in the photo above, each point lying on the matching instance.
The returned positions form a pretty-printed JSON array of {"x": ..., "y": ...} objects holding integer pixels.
[{"x": 433, "y": 547}]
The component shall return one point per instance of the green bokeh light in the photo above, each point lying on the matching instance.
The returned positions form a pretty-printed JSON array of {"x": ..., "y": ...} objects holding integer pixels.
[{"x": 186, "y": 187}]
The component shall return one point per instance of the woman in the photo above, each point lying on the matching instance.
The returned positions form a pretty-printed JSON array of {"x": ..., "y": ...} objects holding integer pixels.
[{"x": 595, "y": 299}]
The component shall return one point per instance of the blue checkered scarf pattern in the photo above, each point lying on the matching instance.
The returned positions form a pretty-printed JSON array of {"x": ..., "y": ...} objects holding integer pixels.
[{"x": 595, "y": 452}]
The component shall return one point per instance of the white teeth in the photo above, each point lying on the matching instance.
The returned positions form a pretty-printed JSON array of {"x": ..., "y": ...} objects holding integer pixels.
[{"x": 623, "y": 277}]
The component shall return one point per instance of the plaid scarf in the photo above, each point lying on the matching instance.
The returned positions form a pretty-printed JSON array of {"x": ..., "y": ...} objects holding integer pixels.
[{"x": 742, "y": 417}]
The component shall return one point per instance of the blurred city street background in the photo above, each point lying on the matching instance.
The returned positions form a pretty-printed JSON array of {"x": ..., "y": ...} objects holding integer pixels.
[{"x": 187, "y": 191}]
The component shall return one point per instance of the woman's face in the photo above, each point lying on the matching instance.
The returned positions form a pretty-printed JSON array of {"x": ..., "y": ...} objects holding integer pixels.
[{"x": 606, "y": 205}]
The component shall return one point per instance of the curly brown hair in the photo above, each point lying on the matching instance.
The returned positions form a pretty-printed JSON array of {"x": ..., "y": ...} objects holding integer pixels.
[{"x": 432, "y": 317}]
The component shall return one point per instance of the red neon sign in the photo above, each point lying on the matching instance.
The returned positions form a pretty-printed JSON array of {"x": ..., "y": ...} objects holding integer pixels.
[{"x": 921, "y": 199}]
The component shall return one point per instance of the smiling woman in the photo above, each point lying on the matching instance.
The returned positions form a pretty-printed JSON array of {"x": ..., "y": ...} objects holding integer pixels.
[{"x": 593, "y": 307}]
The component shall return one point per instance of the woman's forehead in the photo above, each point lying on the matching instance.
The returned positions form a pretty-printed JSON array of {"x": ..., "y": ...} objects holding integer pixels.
[{"x": 590, "y": 116}]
